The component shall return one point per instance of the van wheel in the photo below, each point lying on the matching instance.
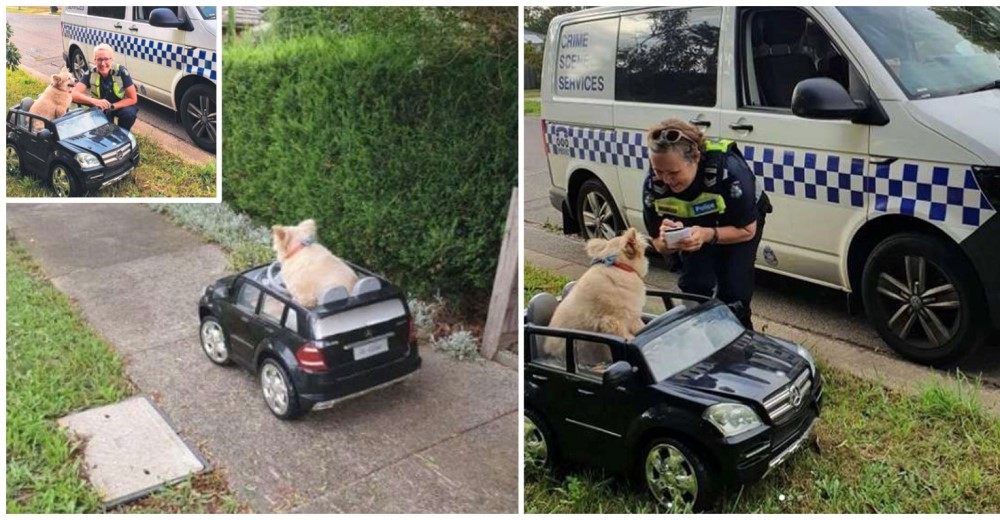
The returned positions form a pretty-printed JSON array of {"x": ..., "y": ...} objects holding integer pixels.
[
  {"x": 539, "y": 450},
  {"x": 13, "y": 160},
  {"x": 198, "y": 115},
  {"x": 596, "y": 212},
  {"x": 64, "y": 183},
  {"x": 676, "y": 476},
  {"x": 923, "y": 298},
  {"x": 279, "y": 391},
  {"x": 79, "y": 63}
]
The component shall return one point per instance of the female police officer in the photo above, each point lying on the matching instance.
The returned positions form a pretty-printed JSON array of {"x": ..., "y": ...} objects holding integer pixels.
[{"x": 707, "y": 187}]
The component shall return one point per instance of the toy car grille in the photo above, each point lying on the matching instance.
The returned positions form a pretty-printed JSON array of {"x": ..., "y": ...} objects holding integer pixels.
[
  {"x": 117, "y": 155},
  {"x": 790, "y": 397}
]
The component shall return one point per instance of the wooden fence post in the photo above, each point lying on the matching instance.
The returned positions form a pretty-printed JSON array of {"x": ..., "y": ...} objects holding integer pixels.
[{"x": 504, "y": 285}]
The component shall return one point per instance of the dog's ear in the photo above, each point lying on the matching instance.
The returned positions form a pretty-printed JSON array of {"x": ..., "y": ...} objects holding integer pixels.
[
  {"x": 632, "y": 244},
  {"x": 56, "y": 79},
  {"x": 279, "y": 233},
  {"x": 308, "y": 227},
  {"x": 596, "y": 246}
]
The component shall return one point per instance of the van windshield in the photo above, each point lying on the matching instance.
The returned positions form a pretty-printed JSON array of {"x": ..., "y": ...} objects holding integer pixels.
[
  {"x": 690, "y": 341},
  {"x": 207, "y": 12},
  {"x": 933, "y": 51}
]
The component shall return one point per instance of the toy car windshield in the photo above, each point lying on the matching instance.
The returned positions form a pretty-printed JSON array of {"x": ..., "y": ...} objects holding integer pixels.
[
  {"x": 80, "y": 122},
  {"x": 690, "y": 339}
]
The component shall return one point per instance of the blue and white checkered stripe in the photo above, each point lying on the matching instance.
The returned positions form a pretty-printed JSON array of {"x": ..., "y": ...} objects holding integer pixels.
[
  {"x": 188, "y": 59},
  {"x": 941, "y": 193}
]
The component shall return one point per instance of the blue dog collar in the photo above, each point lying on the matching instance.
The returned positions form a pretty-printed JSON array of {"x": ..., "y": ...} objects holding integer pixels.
[{"x": 608, "y": 260}]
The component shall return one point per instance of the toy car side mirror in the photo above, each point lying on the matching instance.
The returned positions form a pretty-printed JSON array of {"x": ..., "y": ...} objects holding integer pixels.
[
  {"x": 44, "y": 133},
  {"x": 617, "y": 373}
]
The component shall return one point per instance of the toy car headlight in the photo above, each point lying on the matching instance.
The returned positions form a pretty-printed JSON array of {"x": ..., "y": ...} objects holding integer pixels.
[
  {"x": 87, "y": 160},
  {"x": 731, "y": 418},
  {"x": 131, "y": 139}
]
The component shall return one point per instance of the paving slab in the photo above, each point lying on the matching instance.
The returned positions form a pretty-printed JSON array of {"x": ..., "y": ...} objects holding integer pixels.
[
  {"x": 130, "y": 450},
  {"x": 68, "y": 237}
]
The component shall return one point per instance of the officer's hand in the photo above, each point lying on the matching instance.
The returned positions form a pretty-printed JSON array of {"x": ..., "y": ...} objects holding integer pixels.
[
  {"x": 102, "y": 104},
  {"x": 698, "y": 237},
  {"x": 668, "y": 225}
]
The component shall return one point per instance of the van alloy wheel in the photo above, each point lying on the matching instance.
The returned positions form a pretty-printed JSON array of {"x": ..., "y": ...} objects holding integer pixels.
[
  {"x": 203, "y": 114},
  {"x": 275, "y": 388},
  {"x": 79, "y": 64},
  {"x": 61, "y": 182},
  {"x": 536, "y": 451},
  {"x": 922, "y": 302},
  {"x": 598, "y": 217},
  {"x": 213, "y": 341},
  {"x": 13, "y": 160},
  {"x": 671, "y": 477}
]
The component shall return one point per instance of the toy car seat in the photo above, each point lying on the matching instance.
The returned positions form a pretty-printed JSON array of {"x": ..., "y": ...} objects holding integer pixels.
[
  {"x": 333, "y": 294},
  {"x": 366, "y": 285},
  {"x": 26, "y": 104},
  {"x": 566, "y": 289},
  {"x": 540, "y": 309}
]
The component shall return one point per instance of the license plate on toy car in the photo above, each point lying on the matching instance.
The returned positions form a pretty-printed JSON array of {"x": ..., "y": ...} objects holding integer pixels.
[{"x": 368, "y": 350}]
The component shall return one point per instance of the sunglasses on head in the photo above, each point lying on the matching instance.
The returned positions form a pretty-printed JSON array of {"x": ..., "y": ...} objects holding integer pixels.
[{"x": 669, "y": 135}]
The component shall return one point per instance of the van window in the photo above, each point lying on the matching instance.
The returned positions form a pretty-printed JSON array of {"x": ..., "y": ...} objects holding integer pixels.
[
  {"x": 933, "y": 51},
  {"x": 141, "y": 14},
  {"x": 585, "y": 65},
  {"x": 669, "y": 57},
  {"x": 118, "y": 13}
]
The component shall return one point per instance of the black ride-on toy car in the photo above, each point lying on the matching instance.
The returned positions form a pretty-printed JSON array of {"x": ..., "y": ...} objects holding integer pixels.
[
  {"x": 693, "y": 404},
  {"x": 75, "y": 154},
  {"x": 309, "y": 358}
]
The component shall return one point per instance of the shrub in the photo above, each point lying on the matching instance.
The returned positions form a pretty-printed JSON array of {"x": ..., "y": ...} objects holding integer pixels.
[
  {"x": 13, "y": 55},
  {"x": 404, "y": 154}
]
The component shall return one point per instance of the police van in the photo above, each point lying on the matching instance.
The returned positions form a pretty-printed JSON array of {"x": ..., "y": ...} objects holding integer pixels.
[
  {"x": 875, "y": 132},
  {"x": 170, "y": 53}
]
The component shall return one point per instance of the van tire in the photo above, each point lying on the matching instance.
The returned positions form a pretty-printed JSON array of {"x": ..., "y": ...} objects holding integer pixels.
[
  {"x": 604, "y": 221},
  {"x": 957, "y": 331},
  {"x": 78, "y": 63},
  {"x": 199, "y": 116}
]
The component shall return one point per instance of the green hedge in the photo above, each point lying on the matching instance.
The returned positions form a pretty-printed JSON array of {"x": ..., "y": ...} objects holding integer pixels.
[{"x": 405, "y": 156}]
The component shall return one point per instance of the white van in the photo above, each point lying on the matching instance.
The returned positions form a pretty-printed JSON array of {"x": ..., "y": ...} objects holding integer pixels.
[
  {"x": 170, "y": 53},
  {"x": 874, "y": 130}
]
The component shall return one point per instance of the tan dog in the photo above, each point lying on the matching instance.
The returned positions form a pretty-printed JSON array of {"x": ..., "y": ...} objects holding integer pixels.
[
  {"x": 55, "y": 100},
  {"x": 609, "y": 297},
  {"x": 307, "y": 267}
]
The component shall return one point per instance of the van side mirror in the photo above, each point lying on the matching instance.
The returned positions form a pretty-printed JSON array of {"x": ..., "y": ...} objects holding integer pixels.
[
  {"x": 163, "y": 17},
  {"x": 616, "y": 374},
  {"x": 824, "y": 98}
]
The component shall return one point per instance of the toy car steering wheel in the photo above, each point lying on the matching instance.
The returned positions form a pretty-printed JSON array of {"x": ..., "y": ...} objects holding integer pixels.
[{"x": 272, "y": 277}]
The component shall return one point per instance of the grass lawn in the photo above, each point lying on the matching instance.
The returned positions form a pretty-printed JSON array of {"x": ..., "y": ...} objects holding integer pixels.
[
  {"x": 532, "y": 102},
  {"x": 879, "y": 451},
  {"x": 161, "y": 173},
  {"x": 30, "y": 10},
  {"x": 57, "y": 364}
]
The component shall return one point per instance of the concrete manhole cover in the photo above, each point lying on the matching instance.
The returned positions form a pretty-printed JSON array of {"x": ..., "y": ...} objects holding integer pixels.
[{"x": 131, "y": 450}]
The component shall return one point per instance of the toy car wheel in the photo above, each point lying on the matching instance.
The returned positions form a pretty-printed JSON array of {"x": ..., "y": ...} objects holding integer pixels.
[
  {"x": 596, "y": 212},
  {"x": 13, "y": 160},
  {"x": 539, "y": 450},
  {"x": 676, "y": 476},
  {"x": 79, "y": 64},
  {"x": 198, "y": 115},
  {"x": 279, "y": 392},
  {"x": 924, "y": 299},
  {"x": 64, "y": 183},
  {"x": 213, "y": 341}
]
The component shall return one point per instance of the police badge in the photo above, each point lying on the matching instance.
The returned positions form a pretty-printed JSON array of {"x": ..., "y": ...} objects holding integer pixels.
[{"x": 735, "y": 191}]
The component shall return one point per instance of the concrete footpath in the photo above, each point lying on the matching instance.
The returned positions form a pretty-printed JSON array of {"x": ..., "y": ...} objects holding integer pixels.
[
  {"x": 565, "y": 256},
  {"x": 445, "y": 441}
]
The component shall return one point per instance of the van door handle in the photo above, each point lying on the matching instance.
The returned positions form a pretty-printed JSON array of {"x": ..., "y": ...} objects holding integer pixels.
[
  {"x": 118, "y": 25},
  {"x": 134, "y": 28},
  {"x": 741, "y": 126},
  {"x": 537, "y": 377},
  {"x": 699, "y": 122},
  {"x": 584, "y": 392},
  {"x": 882, "y": 160}
]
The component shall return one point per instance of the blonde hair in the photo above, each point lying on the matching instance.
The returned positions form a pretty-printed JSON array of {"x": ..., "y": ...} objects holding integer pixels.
[
  {"x": 690, "y": 146},
  {"x": 103, "y": 47}
]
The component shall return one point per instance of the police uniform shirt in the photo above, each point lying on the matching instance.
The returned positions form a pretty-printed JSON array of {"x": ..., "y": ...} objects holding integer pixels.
[
  {"x": 737, "y": 191},
  {"x": 108, "y": 83}
]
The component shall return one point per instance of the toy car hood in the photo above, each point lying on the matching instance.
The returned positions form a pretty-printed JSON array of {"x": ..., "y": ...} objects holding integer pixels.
[
  {"x": 99, "y": 140},
  {"x": 752, "y": 367}
]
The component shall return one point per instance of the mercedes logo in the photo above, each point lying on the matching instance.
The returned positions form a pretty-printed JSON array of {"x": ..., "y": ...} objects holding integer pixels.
[
  {"x": 121, "y": 153},
  {"x": 795, "y": 396}
]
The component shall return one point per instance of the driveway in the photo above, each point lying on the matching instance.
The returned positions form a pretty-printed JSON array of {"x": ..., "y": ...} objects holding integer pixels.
[
  {"x": 445, "y": 441},
  {"x": 809, "y": 307},
  {"x": 39, "y": 39}
]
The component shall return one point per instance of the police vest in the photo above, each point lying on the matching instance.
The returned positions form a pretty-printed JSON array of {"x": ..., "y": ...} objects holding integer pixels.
[
  {"x": 713, "y": 172},
  {"x": 116, "y": 77}
]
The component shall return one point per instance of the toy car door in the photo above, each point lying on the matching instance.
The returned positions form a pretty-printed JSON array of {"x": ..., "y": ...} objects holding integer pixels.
[
  {"x": 237, "y": 320},
  {"x": 37, "y": 145}
]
